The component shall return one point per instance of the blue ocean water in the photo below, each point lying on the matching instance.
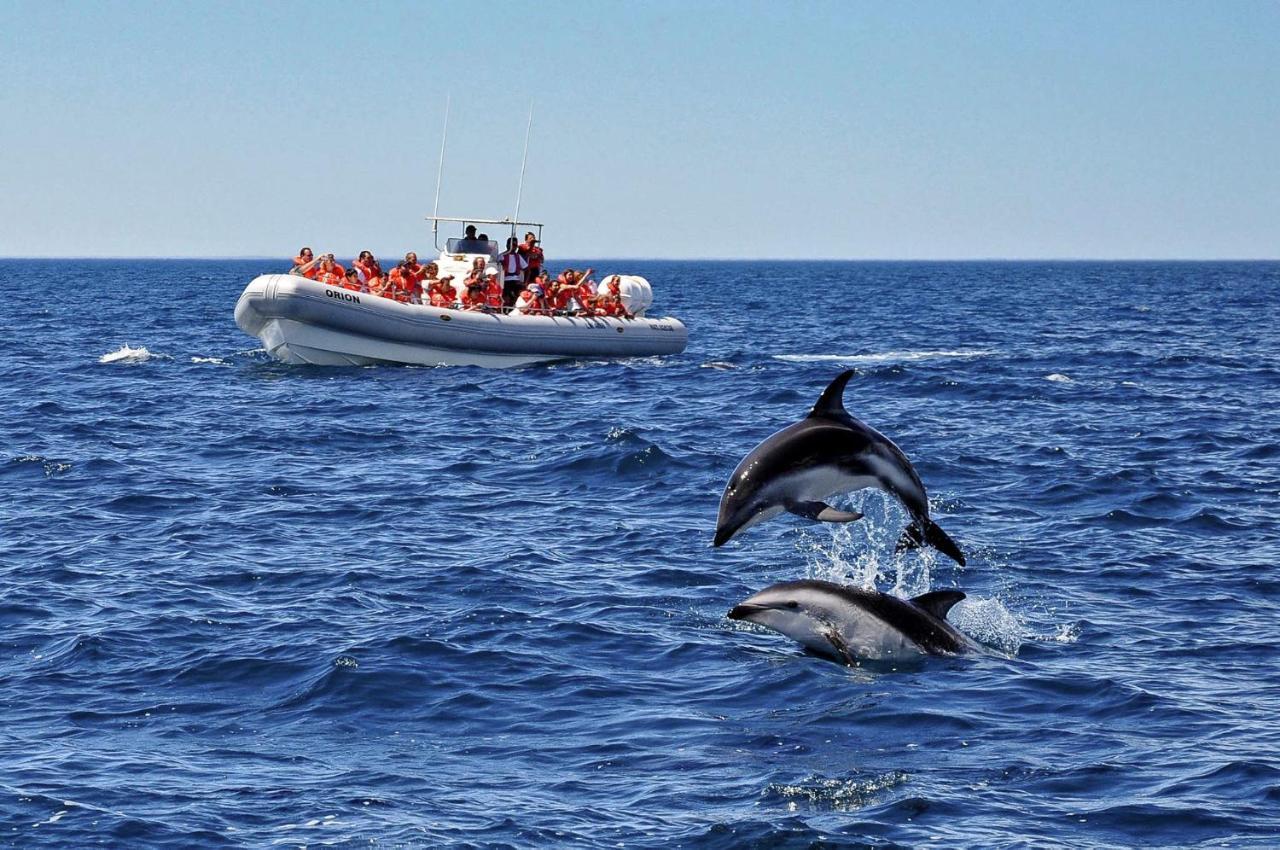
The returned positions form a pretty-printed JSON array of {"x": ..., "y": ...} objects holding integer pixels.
[{"x": 249, "y": 604}]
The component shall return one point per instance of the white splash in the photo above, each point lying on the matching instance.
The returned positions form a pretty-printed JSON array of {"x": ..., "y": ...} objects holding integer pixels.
[
  {"x": 217, "y": 361},
  {"x": 883, "y": 357},
  {"x": 989, "y": 623},
  {"x": 1066, "y": 633},
  {"x": 840, "y": 794},
  {"x": 1058, "y": 379},
  {"x": 54, "y": 818},
  {"x": 862, "y": 554},
  {"x": 128, "y": 354}
]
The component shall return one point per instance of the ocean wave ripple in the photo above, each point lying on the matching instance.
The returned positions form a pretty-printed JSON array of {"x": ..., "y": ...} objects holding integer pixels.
[{"x": 246, "y": 604}]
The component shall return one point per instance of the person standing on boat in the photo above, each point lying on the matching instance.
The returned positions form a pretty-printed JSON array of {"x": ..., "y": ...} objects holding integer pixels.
[
  {"x": 533, "y": 256},
  {"x": 513, "y": 265}
]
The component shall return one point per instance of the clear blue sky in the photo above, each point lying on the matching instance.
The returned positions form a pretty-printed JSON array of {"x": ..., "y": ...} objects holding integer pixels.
[{"x": 671, "y": 129}]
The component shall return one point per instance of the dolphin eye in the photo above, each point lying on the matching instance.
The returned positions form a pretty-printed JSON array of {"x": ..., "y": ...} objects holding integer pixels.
[{"x": 793, "y": 604}]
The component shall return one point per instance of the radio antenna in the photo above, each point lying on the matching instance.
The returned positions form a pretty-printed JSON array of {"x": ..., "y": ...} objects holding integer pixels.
[
  {"x": 523, "y": 162},
  {"x": 435, "y": 211}
]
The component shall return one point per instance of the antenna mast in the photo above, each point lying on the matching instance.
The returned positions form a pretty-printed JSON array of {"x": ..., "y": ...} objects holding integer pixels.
[
  {"x": 523, "y": 162},
  {"x": 435, "y": 211}
]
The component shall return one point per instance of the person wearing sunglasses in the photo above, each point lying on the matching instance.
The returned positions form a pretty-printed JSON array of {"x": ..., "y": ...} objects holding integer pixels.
[{"x": 304, "y": 264}]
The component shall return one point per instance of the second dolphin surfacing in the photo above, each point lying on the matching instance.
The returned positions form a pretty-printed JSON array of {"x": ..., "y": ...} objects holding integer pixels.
[
  {"x": 826, "y": 453},
  {"x": 847, "y": 624}
]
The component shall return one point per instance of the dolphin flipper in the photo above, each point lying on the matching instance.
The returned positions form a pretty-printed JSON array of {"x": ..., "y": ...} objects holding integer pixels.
[
  {"x": 925, "y": 530},
  {"x": 841, "y": 648},
  {"x": 822, "y": 512}
]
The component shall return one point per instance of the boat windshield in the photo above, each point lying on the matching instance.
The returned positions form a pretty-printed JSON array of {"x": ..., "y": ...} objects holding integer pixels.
[{"x": 462, "y": 245}]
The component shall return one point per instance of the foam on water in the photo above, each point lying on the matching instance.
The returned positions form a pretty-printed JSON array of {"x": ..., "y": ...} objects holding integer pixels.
[
  {"x": 127, "y": 354},
  {"x": 841, "y": 794}
]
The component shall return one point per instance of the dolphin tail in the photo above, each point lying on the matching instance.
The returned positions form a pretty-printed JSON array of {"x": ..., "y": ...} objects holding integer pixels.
[{"x": 926, "y": 531}]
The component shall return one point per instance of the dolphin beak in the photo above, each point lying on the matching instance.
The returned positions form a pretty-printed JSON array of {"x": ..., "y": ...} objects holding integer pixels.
[
  {"x": 725, "y": 532},
  {"x": 744, "y": 610}
]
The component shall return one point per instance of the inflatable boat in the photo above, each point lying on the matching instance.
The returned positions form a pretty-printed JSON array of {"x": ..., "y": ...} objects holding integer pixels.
[{"x": 303, "y": 321}]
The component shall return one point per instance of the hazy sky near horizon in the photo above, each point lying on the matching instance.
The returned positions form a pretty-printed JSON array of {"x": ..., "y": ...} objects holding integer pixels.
[{"x": 661, "y": 129}]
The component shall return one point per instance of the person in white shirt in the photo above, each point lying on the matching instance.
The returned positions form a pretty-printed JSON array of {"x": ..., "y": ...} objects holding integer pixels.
[{"x": 513, "y": 265}]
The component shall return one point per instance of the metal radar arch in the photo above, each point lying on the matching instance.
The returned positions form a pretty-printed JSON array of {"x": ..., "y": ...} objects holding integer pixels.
[{"x": 513, "y": 221}]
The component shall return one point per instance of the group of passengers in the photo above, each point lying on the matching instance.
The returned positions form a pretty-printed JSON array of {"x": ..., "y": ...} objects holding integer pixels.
[{"x": 526, "y": 287}]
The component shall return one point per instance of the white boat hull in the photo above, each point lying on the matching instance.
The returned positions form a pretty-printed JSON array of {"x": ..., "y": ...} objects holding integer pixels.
[{"x": 301, "y": 321}]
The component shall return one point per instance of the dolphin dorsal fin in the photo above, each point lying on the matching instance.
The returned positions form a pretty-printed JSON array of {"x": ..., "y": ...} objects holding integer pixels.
[
  {"x": 831, "y": 402},
  {"x": 938, "y": 602}
]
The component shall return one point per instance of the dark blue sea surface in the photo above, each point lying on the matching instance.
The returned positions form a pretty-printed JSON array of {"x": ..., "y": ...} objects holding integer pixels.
[{"x": 247, "y": 604}]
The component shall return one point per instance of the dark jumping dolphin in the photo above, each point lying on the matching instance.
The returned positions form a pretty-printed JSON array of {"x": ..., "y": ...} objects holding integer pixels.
[
  {"x": 827, "y": 452},
  {"x": 847, "y": 624}
]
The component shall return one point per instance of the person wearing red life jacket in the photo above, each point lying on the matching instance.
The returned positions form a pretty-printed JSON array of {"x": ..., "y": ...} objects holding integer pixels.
[
  {"x": 493, "y": 296},
  {"x": 328, "y": 272},
  {"x": 585, "y": 294},
  {"x": 306, "y": 264},
  {"x": 442, "y": 293},
  {"x": 413, "y": 275},
  {"x": 473, "y": 296},
  {"x": 533, "y": 256},
  {"x": 476, "y": 275},
  {"x": 513, "y": 265},
  {"x": 565, "y": 277},
  {"x": 560, "y": 297},
  {"x": 351, "y": 280},
  {"x": 366, "y": 266},
  {"x": 393, "y": 286},
  {"x": 610, "y": 300},
  {"x": 553, "y": 295}
]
